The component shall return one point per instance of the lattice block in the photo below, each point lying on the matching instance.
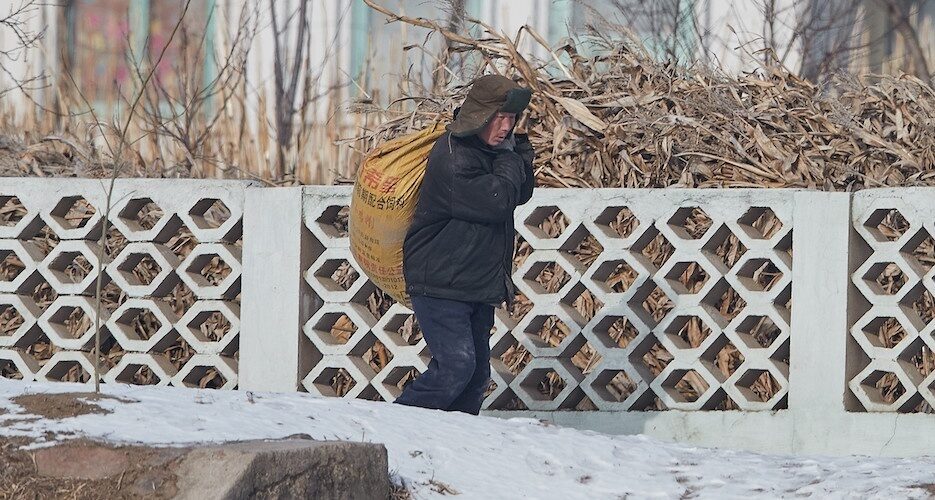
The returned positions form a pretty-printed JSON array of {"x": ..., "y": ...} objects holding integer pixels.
[
  {"x": 329, "y": 326},
  {"x": 532, "y": 384},
  {"x": 64, "y": 267},
  {"x": 192, "y": 271},
  {"x": 196, "y": 326},
  {"x": 77, "y": 215},
  {"x": 208, "y": 229},
  {"x": 321, "y": 276},
  {"x": 320, "y": 380},
  {"x": 19, "y": 226},
  {"x": 121, "y": 270},
  {"x": 701, "y": 380},
  {"x": 133, "y": 211},
  {"x": 19, "y": 254},
  {"x": 127, "y": 326},
  {"x": 204, "y": 369},
  {"x": 23, "y": 363},
  {"x": 132, "y": 363},
  {"x": 65, "y": 364},
  {"x": 69, "y": 322},
  {"x": 19, "y": 314},
  {"x": 387, "y": 383}
]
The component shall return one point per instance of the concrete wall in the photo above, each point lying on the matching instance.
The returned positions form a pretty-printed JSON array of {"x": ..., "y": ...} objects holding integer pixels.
[{"x": 823, "y": 381}]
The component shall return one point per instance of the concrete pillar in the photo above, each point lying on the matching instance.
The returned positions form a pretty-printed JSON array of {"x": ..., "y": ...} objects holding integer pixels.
[
  {"x": 273, "y": 309},
  {"x": 820, "y": 322}
]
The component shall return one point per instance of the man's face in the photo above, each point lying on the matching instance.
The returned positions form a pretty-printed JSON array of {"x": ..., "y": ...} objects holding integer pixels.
[{"x": 498, "y": 128}]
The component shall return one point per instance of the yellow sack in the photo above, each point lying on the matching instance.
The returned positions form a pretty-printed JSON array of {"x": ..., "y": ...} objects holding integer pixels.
[{"x": 384, "y": 200}]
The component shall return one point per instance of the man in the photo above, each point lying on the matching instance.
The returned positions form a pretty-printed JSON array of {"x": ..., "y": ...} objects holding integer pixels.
[{"x": 458, "y": 253}]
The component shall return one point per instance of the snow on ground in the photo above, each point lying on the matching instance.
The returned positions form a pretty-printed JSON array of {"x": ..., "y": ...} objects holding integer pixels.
[{"x": 478, "y": 457}]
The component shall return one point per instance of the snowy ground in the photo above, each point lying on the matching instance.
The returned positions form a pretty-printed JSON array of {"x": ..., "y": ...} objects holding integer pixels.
[{"x": 476, "y": 457}]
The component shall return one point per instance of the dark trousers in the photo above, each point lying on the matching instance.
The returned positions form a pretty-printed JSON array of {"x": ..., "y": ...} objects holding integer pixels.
[{"x": 458, "y": 335}]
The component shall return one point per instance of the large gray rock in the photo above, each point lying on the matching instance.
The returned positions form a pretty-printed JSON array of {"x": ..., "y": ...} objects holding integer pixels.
[{"x": 285, "y": 469}]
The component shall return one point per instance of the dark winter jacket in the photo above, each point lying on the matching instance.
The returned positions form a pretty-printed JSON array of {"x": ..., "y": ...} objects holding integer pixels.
[{"x": 460, "y": 243}]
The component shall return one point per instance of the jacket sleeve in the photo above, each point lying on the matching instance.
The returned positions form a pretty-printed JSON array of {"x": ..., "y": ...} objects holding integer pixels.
[
  {"x": 479, "y": 196},
  {"x": 528, "y": 154}
]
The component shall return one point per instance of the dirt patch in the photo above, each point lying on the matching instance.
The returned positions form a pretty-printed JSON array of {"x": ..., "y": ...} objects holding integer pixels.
[
  {"x": 124, "y": 472},
  {"x": 928, "y": 488},
  {"x": 63, "y": 405}
]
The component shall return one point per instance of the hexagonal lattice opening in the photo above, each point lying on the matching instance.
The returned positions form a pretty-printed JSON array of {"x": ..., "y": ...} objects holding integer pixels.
[
  {"x": 921, "y": 248},
  {"x": 759, "y": 275},
  {"x": 334, "y": 382},
  {"x": 9, "y": 370},
  {"x": 887, "y": 224},
  {"x": 141, "y": 214},
  {"x": 547, "y": 330},
  {"x": 513, "y": 355},
  {"x": 338, "y": 274},
  {"x": 657, "y": 304},
  {"x": 12, "y": 211},
  {"x": 204, "y": 377},
  {"x": 404, "y": 329},
  {"x": 334, "y": 220},
  {"x": 761, "y": 222},
  {"x": 335, "y": 328},
  {"x": 687, "y": 277},
  {"x": 922, "y": 302},
  {"x": 73, "y": 212},
  {"x": 690, "y": 222},
  {"x": 210, "y": 213},
  {"x": 212, "y": 326},
  {"x": 139, "y": 269},
  {"x": 209, "y": 268},
  {"x": 401, "y": 376},
  {"x": 10, "y": 320},
  {"x": 616, "y": 274},
  {"x": 547, "y": 277},
  {"x": 615, "y": 331},
  {"x": 11, "y": 266},
  {"x": 587, "y": 250},
  {"x": 520, "y": 307},
  {"x": 583, "y": 302},
  {"x": 68, "y": 371},
  {"x": 758, "y": 386},
  {"x": 655, "y": 248},
  {"x": 547, "y": 222},
  {"x": 688, "y": 332},
  {"x": 137, "y": 374},
  {"x": 728, "y": 359},
  {"x": 883, "y": 387},
  {"x": 725, "y": 246},
  {"x": 614, "y": 385},
  {"x": 885, "y": 278},
  {"x": 183, "y": 242},
  {"x": 727, "y": 301},
  {"x": 71, "y": 267},
  {"x": 376, "y": 300},
  {"x": 114, "y": 242},
  {"x": 759, "y": 331},
  {"x": 587, "y": 358},
  {"x": 885, "y": 332},
  {"x": 652, "y": 356},
  {"x": 377, "y": 356},
  {"x": 544, "y": 384},
  {"x": 617, "y": 221},
  {"x": 689, "y": 385},
  {"x": 71, "y": 321},
  {"x": 139, "y": 323}
]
